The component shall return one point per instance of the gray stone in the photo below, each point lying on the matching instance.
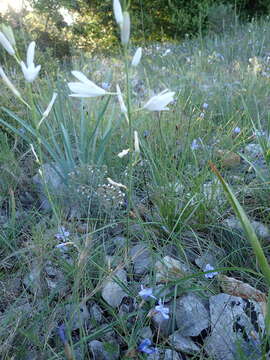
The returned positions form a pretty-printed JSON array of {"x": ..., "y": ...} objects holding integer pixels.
[
  {"x": 113, "y": 293},
  {"x": 48, "y": 176},
  {"x": 231, "y": 318},
  {"x": 184, "y": 344},
  {"x": 137, "y": 231},
  {"x": 169, "y": 268},
  {"x": 154, "y": 356},
  {"x": 213, "y": 256},
  {"x": 141, "y": 258},
  {"x": 33, "y": 281},
  {"x": 96, "y": 313},
  {"x": 172, "y": 355},
  {"x": 163, "y": 292},
  {"x": 77, "y": 315},
  {"x": 260, "y": 229},
  {"x": 55, "y": 279},
  {"x": 146, "y": 333},
  {"x": 191, "y": 315},
  {"x": 99, "y": 352},
  {"x": 119, "y": 241},
  {"x": 47, "y": 179},
  {"x": 161, "y": 324}
]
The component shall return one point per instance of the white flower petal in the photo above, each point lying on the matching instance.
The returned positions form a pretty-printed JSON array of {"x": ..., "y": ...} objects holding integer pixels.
[
  {"x": 125, "y": 29},
  {"x": 31, "y": 53},
  {"x": 30, "y": 73},
  {"x": 117, "y": 10},
  {"x": 49, "y": 107},
  {"x": 121, "y": 100},
  {"x": 6, "y": 44},
  {"x": 123, "y": 153},
  {"x": 136, "y": 142},
  {"x": 8, "y": 32},
  {"x": 159, "y": 102},
  {"x": 9, "y": 83},
  {"x": 85, "y": 88},
  {"x": 137, "y": 57}
]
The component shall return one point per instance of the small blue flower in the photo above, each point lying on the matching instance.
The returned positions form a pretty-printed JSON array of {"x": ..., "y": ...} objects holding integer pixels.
[
  {"x": 146, "y": 348},
  {"x": 146, "y": 292},
  {"x": 237, "y": 130},
  {"x": 62, "y": 333},
  {"x": 209, "y": 267},
  {"x": 164, "y": 311}
]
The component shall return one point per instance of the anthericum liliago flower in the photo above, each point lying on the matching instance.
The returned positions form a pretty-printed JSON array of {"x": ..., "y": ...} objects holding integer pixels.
[
  {"x": 85, "y": 87},
  {"x": 137, "y": 57},
  {"x": 125, "y": 29},
  {"x": 159, "y": 102},
  {"x": 8, "y": 32},
  {"x": 6, "y": 44},
  {"x": 30, "y": 71},
  {"x": 121, "y": 100},
  {"x": 117, "y": 10},
  {"x": 9, "y": 83},
  {"x": 48, "y": 109}
]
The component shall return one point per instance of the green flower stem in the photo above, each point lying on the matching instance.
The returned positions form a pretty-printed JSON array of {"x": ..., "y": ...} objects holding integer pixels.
[
  {"x": 251, "y": 236},
  {"x": 130, "y": 133},
  {"x": 34, "y": 116}
]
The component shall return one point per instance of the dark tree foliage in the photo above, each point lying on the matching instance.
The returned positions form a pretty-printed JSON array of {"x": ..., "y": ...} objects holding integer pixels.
[{"x": 152, "y": 20}]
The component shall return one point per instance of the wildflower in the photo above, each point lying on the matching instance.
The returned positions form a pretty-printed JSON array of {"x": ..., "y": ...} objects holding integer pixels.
[
  {"x": 105, "y": 85},
  {"x": 237, "y": 130},
  {"x": 61, "y": 246},
  {"x": 123, "y": 153},
  {"x": 164, "y": 311},
  {"x": 117, "y": 10},
  {"x": 146, "y": 348},
  {"x": 116, "y": 184},
  {"x": 84, "y": 88},
  {"x": 209, "y": 267},
  {"x": 8, "y": 32},
  {"x": 49, "y": 108},
  {"x": 6, "y": 44},
  {"x": 205, "y": 106},
  {"x": 136, "y": 142},
  {"x": 137, "y": 57},
  {"x": 194, "y": 145},
  {"x": 167, "y": 52},
  {"x": 259, "y": 133},
  {"x": 9, "y": 83},
  {"x": 121, "y": 100},
  {"x": 160, "y": 101},
  {"x": 125, "y": 29},
  {"x": 30, "y": 71},
  {"x": 63, "y": 234},
  {"x": 62, "y": 333},
  {"x": 146, "y": 292}
]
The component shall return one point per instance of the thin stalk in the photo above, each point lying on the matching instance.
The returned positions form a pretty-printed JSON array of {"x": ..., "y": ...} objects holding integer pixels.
[{"x": 130, "y": 135}]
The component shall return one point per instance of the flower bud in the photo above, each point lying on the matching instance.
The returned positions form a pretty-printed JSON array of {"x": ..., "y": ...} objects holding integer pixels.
[
  {"x": 6, "y": 44},
  {"x": 117, "y": 10},
  {"x": 137, "y": 57},
  {"x": 125, "y": 29},
  {"x": 8, "y": 32}
]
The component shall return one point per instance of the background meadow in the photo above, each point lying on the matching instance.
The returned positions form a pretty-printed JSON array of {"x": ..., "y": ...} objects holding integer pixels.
[{"x": 119, "y": 238}]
